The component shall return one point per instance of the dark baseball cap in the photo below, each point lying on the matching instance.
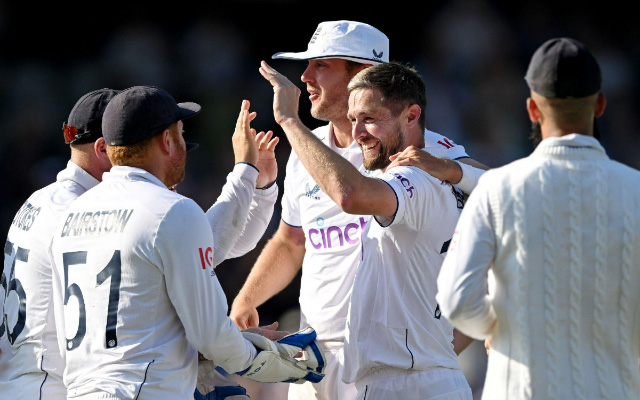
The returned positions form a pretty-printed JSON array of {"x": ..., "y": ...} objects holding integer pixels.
[
  {"x": 85, "y": 120},
  {"x": 141, "y": 112},
  {"x": 563, "y": 67}
]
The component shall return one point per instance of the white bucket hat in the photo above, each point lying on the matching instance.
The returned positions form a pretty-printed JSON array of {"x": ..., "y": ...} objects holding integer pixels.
[{"x": 348, "y": 40}]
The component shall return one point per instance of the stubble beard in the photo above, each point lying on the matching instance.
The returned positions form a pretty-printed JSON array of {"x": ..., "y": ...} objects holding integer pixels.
[
  {"x": 393, "y": 145},
  {"x": 536, "y": 134},
  {"x": 330, "y": 109},
  {"x": 177, "y": 166}
]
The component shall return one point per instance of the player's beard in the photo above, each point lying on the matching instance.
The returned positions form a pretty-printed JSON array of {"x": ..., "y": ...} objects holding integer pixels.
[
  {"x": 393, "y": 144},
  {"x": 333, "y": 102},
  {"x": 536, "y": 134},
  {"x": 177, "y": 165}
]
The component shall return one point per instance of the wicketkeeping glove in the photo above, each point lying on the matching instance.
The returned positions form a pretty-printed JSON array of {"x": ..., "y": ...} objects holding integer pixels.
[
  {"x": 296, "y": 358},
  {"x": 214, "y": 385}
]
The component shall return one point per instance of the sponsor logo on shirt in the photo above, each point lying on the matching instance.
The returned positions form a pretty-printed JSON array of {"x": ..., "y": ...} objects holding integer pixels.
[
  {"x": 405, "y": 183},
  {"x": 92, "y": 223},
  {"x": 336, "y": 236},
  {"x": 26, "y": 216},
  {"x": 206, "y": 257},
  {"x": 446, "y": 143},
  {"x": 311, "y": 193}
]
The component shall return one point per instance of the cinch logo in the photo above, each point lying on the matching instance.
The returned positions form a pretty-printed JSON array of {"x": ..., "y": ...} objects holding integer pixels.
[
  {"x": 206, "y": 257},
  {"x": 377, "y": 56},
  {"x": 335, "y": 236},
  {"x": 405, "y": 182},
  {"x": 311, "y": 193}
]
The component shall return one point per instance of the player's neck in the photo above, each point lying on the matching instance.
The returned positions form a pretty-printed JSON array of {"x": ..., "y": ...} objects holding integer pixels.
[
  {"x": 552, "y": 129},
  {"x": 342, "y": 133}
]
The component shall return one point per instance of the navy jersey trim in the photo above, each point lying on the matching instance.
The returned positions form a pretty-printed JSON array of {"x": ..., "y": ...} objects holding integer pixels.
[
  {"x": 145, "y": 378},
  {"x": 291, "y": 225},
  {"x": 406, "y": 343},
  {"x": 251, "y": 165},
  {"x": 395, "y": 212},
  {"x": 46, "y": 375}
]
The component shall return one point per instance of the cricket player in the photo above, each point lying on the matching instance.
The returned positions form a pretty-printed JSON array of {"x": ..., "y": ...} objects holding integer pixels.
[
  {"x": 315, "y": 235},
  {"x": 135, "y": 292},
  {"x": 396, "y": 344},
  {"x": 30, "y": 364},
  {"x": 560, "y": 230}
]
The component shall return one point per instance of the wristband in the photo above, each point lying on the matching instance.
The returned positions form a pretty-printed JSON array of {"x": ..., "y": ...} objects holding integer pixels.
[{"x": 470, "y": 177}]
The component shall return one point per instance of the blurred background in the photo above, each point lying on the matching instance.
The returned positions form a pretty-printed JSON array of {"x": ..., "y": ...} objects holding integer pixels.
[{"x": 472, "y": 54}]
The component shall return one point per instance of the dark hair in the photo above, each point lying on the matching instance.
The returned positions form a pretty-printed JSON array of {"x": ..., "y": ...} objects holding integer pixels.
[{"x": 400, "y": 86}]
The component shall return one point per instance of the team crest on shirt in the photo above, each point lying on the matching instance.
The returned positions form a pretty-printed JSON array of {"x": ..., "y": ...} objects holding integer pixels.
[{"x": 312, "y": 192}]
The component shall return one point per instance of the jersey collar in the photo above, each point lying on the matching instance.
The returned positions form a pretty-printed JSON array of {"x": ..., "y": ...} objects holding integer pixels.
[
  {"x": 125, "y": 173},
  {"x": 76, "y": 174}
]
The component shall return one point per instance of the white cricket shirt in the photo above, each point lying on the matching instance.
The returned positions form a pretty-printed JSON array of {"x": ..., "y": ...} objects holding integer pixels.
[
  {"x": 135, "y": 290},
  {"x": 332, "y": 246},
  {"x": 394, "y": 319},
  {"x": 30, "y": 364}
]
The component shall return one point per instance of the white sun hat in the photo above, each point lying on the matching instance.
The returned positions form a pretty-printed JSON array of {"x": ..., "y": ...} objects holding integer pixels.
[{"x": 349, "y": 40}]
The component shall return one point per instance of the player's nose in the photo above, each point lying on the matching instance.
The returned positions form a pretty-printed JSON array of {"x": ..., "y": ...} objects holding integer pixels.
[{"x": 307, "y": 75}]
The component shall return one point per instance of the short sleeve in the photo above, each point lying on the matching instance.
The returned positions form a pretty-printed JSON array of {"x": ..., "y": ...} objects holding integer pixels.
[
  {"x": 415, "y": 194},
  {"x": 290, "y": 205}
]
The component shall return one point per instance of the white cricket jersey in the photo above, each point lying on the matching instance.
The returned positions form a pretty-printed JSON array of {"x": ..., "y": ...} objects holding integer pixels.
[
  {"x": 30, "y": 364},
  {"x": 135, "y": 290},
  {"x": 394, "y": 320},
  {"x": 332, "y": 236}
]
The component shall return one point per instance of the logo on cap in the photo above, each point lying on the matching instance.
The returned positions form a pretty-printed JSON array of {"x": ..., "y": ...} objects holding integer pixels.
[
  {"x": 70, "y": 133},
  {"x": 376, "y": 55},
  {"x": 315, "y": 35}
]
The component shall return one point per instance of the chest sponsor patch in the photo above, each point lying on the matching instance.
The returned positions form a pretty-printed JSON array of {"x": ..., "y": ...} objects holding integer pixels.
[{"x": 336, "y": 236}]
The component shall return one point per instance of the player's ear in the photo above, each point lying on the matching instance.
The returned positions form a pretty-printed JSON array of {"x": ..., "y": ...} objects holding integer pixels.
[
  {"x": 100, "y": 148},
  {"x": 601, "y": 103},
  {"x": 413, "y": 115},
  {"x": 166, "y": 143},
  {"x": 533, "y": 110}
]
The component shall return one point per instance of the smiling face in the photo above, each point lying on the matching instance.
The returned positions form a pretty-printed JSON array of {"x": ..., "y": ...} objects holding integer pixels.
[
  {"x": 327, "y": 81},
  {"x": 374, "y": 127}
]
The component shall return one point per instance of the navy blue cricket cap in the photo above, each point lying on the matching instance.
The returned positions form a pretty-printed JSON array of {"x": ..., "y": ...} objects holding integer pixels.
[
  {"x": 562, "y": 68},
  {"x": 141, "y": 112},
  {"x": 85, "y": 120}
]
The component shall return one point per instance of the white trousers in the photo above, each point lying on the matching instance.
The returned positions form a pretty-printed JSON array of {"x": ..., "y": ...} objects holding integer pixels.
[{"x": 400, "y": 384}]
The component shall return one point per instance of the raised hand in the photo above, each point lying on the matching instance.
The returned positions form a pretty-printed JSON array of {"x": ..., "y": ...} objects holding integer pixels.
[
  {"x": 286, "y": 95},
  {"x": 245, "y": 148},
  {"x": 267, "y": 164}
]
